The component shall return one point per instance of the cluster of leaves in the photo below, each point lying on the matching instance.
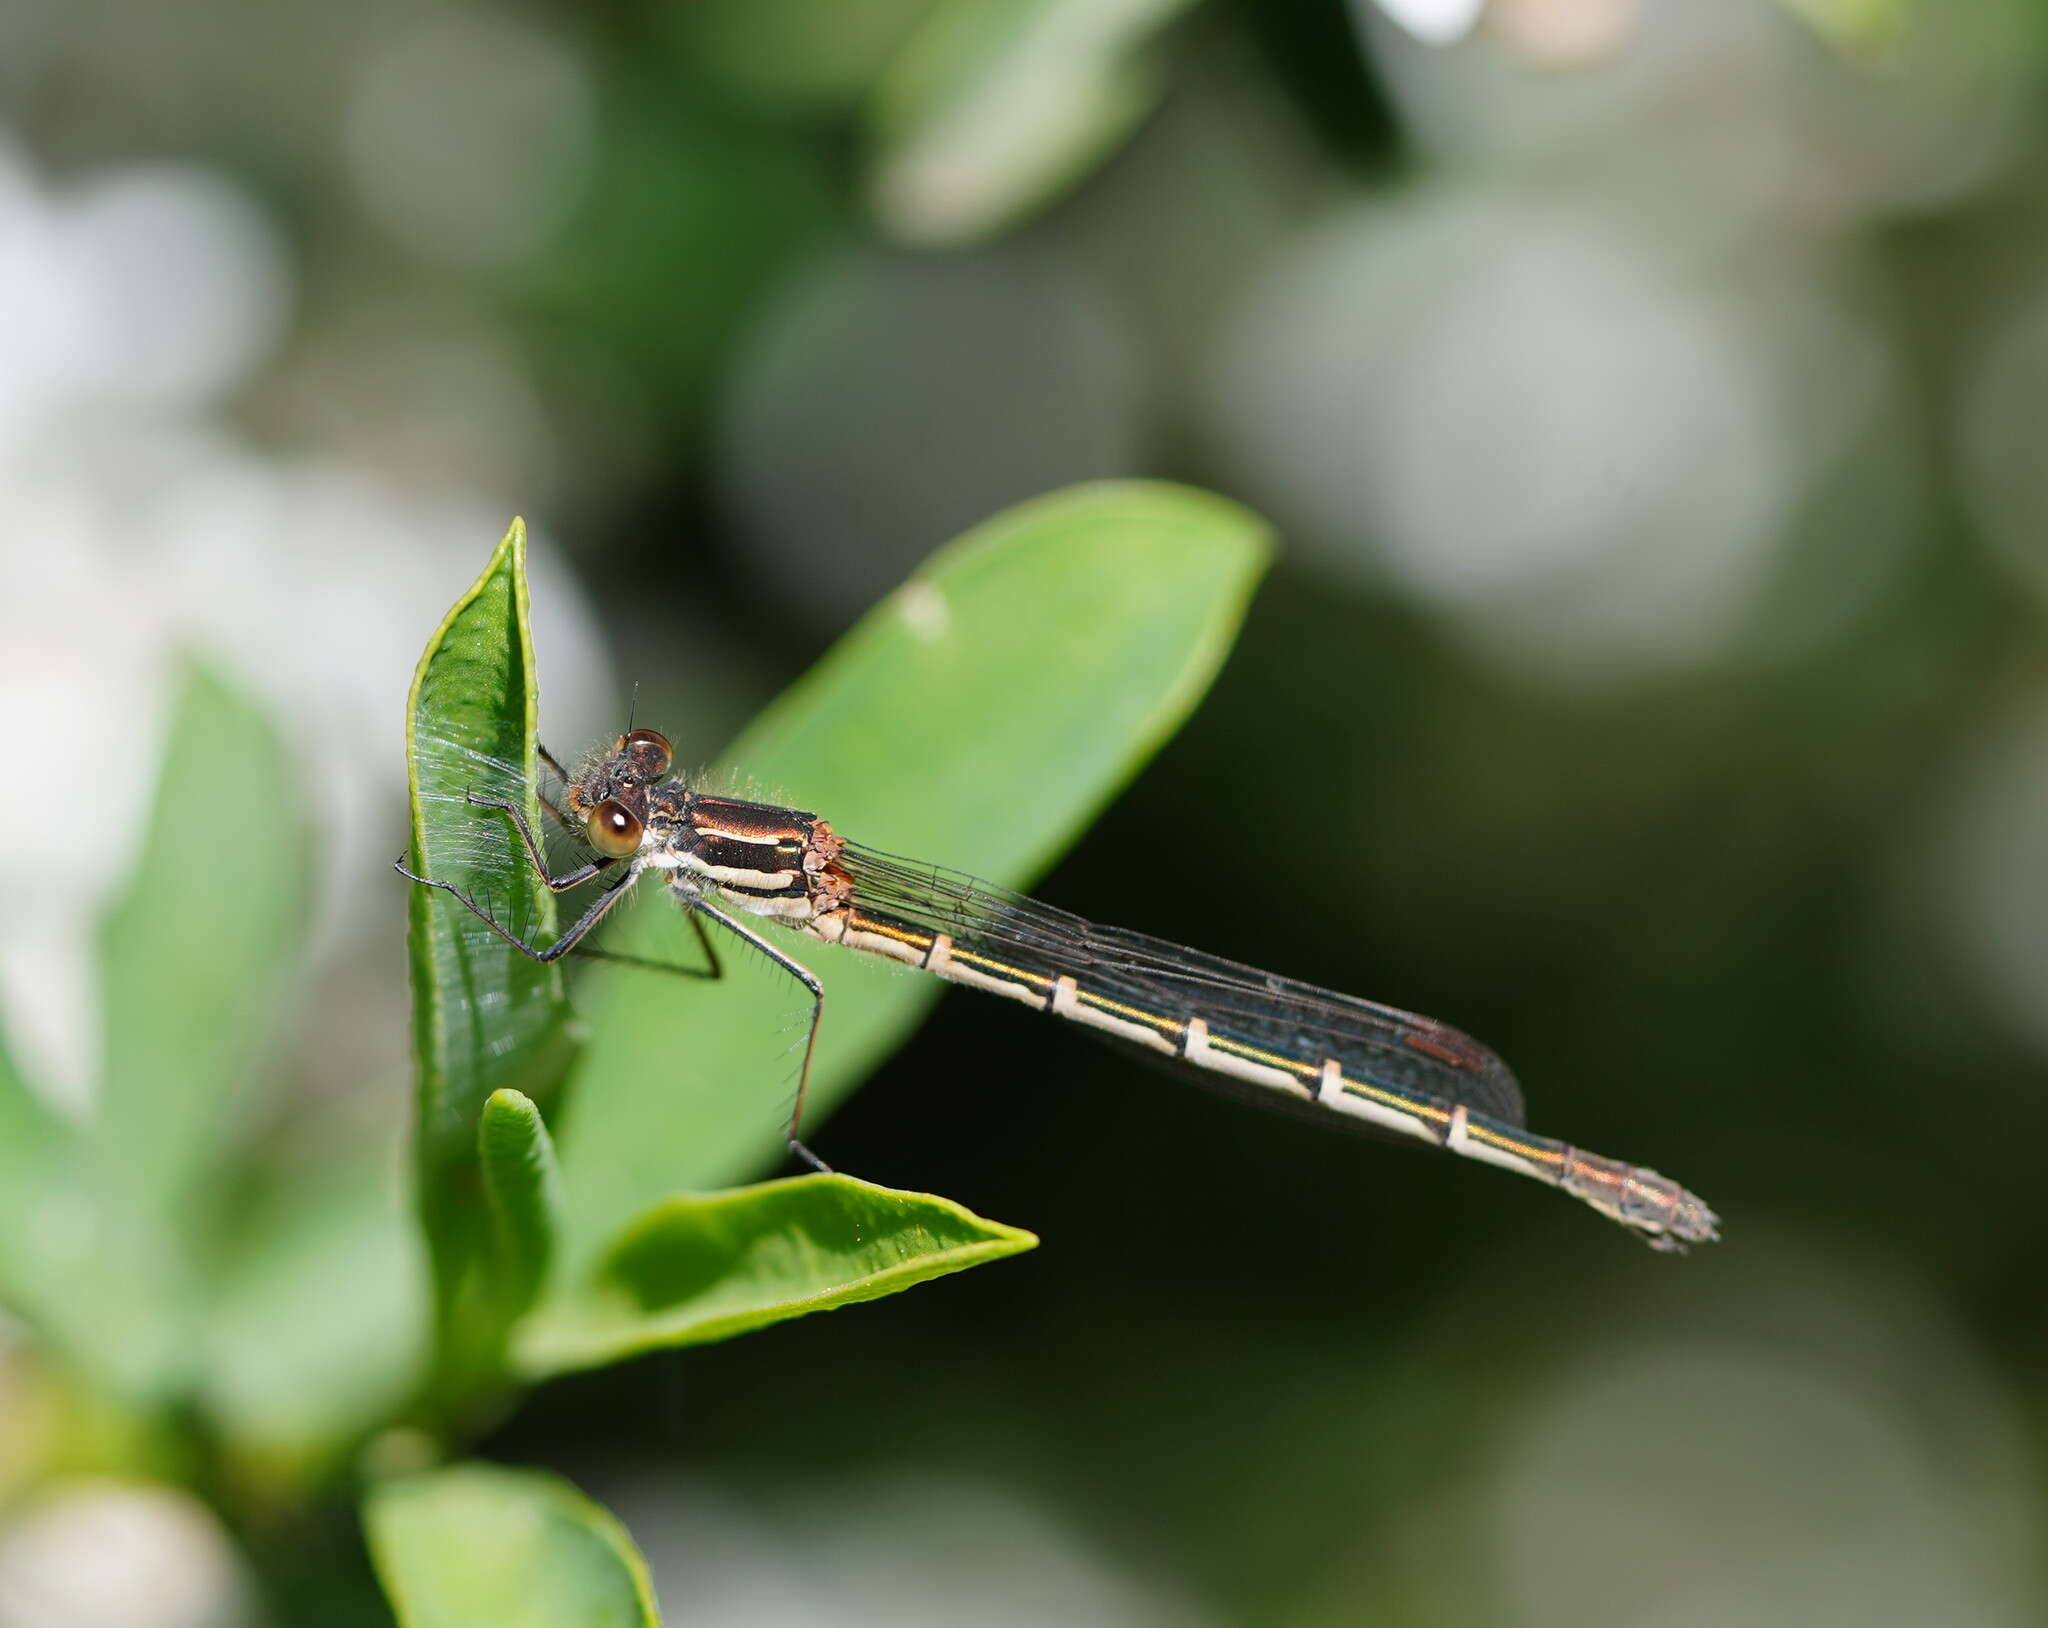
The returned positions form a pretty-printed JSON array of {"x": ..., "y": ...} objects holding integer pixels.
[{"x": 256, "y": 1346}]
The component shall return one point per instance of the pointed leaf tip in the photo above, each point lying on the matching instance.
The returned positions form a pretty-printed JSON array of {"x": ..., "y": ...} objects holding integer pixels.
[{"x": 694, "y": 1269}]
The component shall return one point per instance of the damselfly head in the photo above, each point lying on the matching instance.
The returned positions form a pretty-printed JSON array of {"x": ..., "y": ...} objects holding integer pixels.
[{"x": 638, "y": 759}]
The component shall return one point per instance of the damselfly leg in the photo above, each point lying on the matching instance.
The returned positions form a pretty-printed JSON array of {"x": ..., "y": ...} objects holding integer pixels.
[
  {"x": 695, "y": 907},
  {"x": 712, "y": 971},
  {"x": 552, "y": 762},
  {"x": 583, "y": 873},
  {"x": 555, "y": 884},
  {"x": 803, "y": 975},
  {"x": 564, "y": 942},
  {"x": 562, "y": 778}
]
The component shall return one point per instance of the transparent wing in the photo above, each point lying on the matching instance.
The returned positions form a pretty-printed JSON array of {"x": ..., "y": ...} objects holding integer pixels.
[{"x": 1381, "y": 1044}]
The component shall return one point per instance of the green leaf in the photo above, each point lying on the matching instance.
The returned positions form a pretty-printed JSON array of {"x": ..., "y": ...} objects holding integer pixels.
[
  {"x": 40, "y": 1203},
  {"x": 197, "y": 957},
  {"x": 318, "y": 1328},
  {"x": 523, "y": 1188},
  {"x": 998, "y": 105},
  {"x": 484, "y": 1015},
  {"x": 977, "y": 718},
  {"x": 219, "y": 898},
  {"x": 696, "y": 1269},
  {"x": 477, "y": 1546}
]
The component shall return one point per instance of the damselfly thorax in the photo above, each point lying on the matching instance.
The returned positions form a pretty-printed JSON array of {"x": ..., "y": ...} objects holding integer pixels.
[{"x": 1266, "y": 1038}]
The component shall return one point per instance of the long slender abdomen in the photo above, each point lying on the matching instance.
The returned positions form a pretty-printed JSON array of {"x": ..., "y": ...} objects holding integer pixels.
[{"x": 1663, "y": 1213}]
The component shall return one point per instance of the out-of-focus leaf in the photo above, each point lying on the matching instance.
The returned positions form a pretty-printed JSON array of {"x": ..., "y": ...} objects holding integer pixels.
[
  {"x": 977, "y": 718},
  {"x": 696, "y": 1269},
  {"x": 45, "y": 1219},
  {"x": 196, "y": 960},
  {"x": 318, "y": 1326},
  {"x": 484, "y": 1015},
  {"x": 996, "y": 106},
  {"x": 1858, "y": 27},
  {"x": 794, "y": 57},
  {"x": 197, "y": 953},
  {"x": 690, "y": 208},
  {"x": 479, "y": 1546},
  {"x": 521, "y": 1183}
]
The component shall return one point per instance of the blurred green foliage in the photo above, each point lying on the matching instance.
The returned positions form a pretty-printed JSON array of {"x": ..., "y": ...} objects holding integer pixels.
[{"x": 1754, "y": 904}]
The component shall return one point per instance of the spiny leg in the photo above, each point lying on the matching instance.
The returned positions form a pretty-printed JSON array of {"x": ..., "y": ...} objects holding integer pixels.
[
  {"x": 575, "y": 832},
  {"x": 556, "y": 884},
  {"x": 714, "y": 970},
  {"x": 577, "y": 878},
  {"x": 564, "y": 942},
  {"x": 561, "y": 819},
  {"x": 803, "y": 975},
  {"x": 562, "y": 775}
]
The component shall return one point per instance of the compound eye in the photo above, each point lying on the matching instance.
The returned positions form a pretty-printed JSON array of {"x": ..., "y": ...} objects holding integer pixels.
[
  {"x": 614, "y": 829},
  {"x": 655, "y": 748}
]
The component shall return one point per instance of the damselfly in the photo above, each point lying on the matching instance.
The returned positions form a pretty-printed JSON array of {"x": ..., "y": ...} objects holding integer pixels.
[{"x": 1263, "y": 1037}]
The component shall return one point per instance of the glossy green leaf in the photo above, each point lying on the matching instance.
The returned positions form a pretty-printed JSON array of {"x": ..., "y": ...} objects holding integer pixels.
[
  {"x": 479, "y": 1546},
  {"x": 996, "y": 106},
  {"x": 977, "y": 718},
  {"x": 484, "y": 1015},
  {"x": 696, "y": 1269},
  {"x": 523, "y": 1188}
]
